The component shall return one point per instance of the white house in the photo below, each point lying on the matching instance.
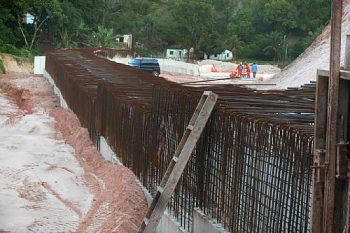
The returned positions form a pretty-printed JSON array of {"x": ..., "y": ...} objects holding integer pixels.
[
  {"x": 224, "y": 56},
  {"x": 124, "y": 41},
  {"x": 28, "y": 19},
  {"x": 176, "y": 53}
]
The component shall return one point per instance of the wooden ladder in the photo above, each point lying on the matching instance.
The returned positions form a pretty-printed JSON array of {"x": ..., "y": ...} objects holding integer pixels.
[{"x": 179, "y": 161}]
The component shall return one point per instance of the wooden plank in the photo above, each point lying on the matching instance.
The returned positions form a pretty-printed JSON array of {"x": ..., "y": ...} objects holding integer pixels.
[
  {"x": 318, "y": 154},
  {"x": 342, "y": 183},
  {"x": 331, "y": 152},
  {"x": 337, "y": 182},
  {"x": 199, "y": 120},
  {"x": 344, "y": 74},
  {"x": 184, "y": 137},
  {"x": 347, "y": 196},
  {"x": 347, "y": 53},
  {"x": 322, "y": 73}
]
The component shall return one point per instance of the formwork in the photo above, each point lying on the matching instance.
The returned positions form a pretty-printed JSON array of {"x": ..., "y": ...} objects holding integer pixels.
[{"x": 251, "y": 169}]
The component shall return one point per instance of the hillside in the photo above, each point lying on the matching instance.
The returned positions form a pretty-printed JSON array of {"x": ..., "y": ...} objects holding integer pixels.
[
  {"x": 303, "y": 69},
  {"x": 10, "y": 65}
]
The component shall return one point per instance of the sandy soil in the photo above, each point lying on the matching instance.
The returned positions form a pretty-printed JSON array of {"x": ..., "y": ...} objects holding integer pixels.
[
  {"x": 182, "y": 72},
  {"x": 14, "y": 67},
  {"x": 53, "y": 179},
  {"x": 179, "y": 78},
  {"x": 231, "y": 66}
]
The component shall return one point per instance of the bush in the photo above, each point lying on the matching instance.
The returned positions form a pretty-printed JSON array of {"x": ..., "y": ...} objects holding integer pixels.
[
  {"x": 2, "y": 67},
  {"x": 20, "y": 53},
  {"x": 26, "y": 53},
  {"x": 298, "y": 48},
  {"x": 144, "y": 52},
  {"x": 10, "y": 49}
]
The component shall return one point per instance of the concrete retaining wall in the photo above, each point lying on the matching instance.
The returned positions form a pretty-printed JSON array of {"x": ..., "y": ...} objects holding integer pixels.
[
  {"x": 39, "y": 64},
  {"x": 178, "y": 67},
  {"x": 57, "y": 91},
  {"x": 203, "y": 224}
]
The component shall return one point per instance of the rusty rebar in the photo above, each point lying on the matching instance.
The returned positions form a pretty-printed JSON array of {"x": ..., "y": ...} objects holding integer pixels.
[{"x": 251, "y": 169}]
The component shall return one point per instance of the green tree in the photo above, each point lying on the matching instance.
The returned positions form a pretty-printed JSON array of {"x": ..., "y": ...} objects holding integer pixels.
[
  {"x": 193, "y": 21},
  {"x": 102, "y": 37},
  {"x": 281, "y": 15},
  {"x": 275, "y": 48},
  {"x": 66, "y": 25},
  {"x": 243, "y": 24},
  {"x": 236, "y": 46},
  {"x": 7, "y": 23},
  {"x": 248, "y": 27},
  {"x": 41, "y": 10}
]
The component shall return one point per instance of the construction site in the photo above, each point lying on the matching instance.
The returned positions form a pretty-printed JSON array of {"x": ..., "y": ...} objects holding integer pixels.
[{"x": 89, "y": 144}]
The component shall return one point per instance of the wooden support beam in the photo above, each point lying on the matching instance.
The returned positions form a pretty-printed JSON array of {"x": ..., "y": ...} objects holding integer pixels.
[
  {"x": 318, "y": 174},
  {"x": 179, "y": 162},
  {"x": 333, "y": 94}
]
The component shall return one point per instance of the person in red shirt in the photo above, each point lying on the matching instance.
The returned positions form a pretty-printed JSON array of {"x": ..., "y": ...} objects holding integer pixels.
[
  {"x": 233, "y": 74},
  {"x": 239, "y": 70},
  {"x": 247, "y": 68}
]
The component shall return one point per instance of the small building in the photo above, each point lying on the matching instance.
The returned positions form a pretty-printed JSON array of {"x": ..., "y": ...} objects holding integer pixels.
[
  {"x": 226, "y": 55},
  {"x": 124, "y": 41},
  {"x": 28, "y": 18},
  {"x": 176, "y": 53}
]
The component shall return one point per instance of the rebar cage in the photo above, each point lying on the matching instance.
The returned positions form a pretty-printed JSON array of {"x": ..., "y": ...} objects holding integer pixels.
[{"x": 251, "y": 169}]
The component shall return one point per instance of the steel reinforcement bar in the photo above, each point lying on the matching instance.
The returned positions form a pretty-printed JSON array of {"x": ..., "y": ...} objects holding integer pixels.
[{"x": 251, "y": 169}]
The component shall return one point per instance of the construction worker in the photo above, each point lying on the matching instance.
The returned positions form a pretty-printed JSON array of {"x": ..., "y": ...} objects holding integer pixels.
[
  {"x": 233, "y": 74},
  {"x": 247, "y": 68},
  {"x": 254, "y": 69},
  {"x": 239, "y": 70}
]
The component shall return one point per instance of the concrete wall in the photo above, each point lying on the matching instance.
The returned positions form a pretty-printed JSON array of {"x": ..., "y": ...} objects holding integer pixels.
[
  {"x": 168, "y": 65},
  {"x": 107, "y": 152},
  {"x": 39, "y": 64},
  {"x": 178, "y": 67},
  {"x": 169, "y": 224},
  {"x": 226, "y": 55},
  {"x": 175, "y": 53},
  {"x": 57, "y": 91},
  {"x": 203, "y": 224}
]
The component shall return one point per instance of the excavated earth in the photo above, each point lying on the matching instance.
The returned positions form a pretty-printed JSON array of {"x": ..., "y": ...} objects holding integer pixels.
[{"x": 52, "y": 177}]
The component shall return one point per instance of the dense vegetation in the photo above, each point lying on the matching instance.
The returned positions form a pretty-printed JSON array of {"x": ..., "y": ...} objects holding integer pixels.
[{"x": 258, "y": 29}]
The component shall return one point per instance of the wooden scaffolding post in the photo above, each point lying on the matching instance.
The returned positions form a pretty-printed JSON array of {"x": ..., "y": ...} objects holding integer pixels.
[
  {"x": 331, "y": 140},
  {"x": 179, "y": 162},
  {"x": 331, "y": 170}
]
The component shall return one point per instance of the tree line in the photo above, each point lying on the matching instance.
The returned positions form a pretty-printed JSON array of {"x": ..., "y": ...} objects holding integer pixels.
[{"x": 276, "y": 30}]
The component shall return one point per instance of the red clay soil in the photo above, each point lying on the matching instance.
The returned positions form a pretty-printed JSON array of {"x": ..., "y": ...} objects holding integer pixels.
[
  {"x": 119, "y": 204},
  {"x": 20, "y": 96},
  {"x": 113, "y": 186}
]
